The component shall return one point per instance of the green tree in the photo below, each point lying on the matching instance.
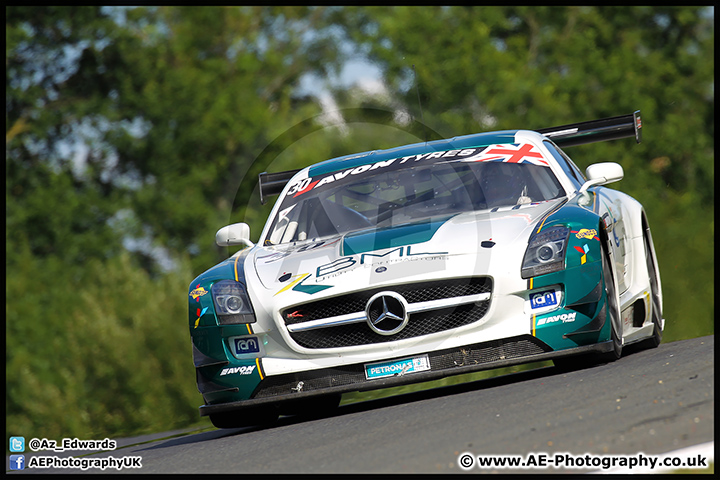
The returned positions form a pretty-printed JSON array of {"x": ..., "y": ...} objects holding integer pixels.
[
  {"x": 130, "y": 123},
  {"x": 51, "y": 205},
  {"x": 481, "y": 68},
  {"x": 144, "y": 129},
  {"x": 488, "y": 68},
  {"x": 175, "y": 103}
]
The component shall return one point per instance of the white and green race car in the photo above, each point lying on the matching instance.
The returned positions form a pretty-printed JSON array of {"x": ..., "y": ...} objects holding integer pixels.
[{"x": 423, "y": 261}]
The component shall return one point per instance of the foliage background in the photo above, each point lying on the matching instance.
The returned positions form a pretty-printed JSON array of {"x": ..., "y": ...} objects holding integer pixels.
[{"x": 133, "y": 134}]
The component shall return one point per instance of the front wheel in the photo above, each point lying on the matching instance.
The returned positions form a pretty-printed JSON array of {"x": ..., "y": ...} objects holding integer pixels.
[
  {"x": 655, "y": 303},
  {"x": 612, "y": 311}
]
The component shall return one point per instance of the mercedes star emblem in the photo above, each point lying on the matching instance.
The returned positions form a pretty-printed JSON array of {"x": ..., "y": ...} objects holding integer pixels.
[{"x": 386, "y": 313}]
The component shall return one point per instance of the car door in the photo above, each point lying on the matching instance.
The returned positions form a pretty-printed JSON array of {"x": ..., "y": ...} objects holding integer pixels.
[{"x": 613, "y": 216}]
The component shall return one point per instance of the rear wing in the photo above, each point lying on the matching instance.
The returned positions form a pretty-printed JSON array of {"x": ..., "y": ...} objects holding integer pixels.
[
  {"x": 565, "y": 136},
  {"x": 273, "y": 183},
  {"x": 596, "y": 130}
]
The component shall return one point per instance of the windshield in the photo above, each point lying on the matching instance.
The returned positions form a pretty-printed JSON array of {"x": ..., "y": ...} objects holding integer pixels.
[{"x": 408, "y": 189}]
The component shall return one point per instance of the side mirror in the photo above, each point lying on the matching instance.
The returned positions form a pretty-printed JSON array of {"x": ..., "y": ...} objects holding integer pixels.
[
  {"x": 602, "y": 174},
  {"x": 235, "y": 234}
]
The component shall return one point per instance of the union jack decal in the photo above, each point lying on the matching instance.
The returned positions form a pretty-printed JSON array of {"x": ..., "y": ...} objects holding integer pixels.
[{"x": 510, "y": 153}]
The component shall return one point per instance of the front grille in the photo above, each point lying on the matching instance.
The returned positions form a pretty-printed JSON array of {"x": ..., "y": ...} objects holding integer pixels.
[
  {"x": 421, "y": 323},
  {"x": 445, "y": 360}
]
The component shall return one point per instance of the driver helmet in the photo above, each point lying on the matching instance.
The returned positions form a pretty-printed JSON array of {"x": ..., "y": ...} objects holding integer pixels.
[{"x": 501, "y": 184}]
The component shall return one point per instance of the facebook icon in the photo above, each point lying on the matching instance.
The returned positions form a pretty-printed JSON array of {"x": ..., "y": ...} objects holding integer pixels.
[{"x": 17, "y": 462}]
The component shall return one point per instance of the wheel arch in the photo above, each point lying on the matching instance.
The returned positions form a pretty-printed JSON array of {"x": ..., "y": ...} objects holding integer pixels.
[
  {"x": 645, "y": 226},
  {"x": 607, "y": 251}
]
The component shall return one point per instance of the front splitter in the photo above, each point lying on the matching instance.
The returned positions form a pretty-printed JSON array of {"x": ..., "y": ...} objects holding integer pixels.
[{"x": 443, "y": 363}]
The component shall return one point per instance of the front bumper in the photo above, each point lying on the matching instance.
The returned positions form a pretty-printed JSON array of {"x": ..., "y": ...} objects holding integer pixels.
[{"x": 443, "y": 363}]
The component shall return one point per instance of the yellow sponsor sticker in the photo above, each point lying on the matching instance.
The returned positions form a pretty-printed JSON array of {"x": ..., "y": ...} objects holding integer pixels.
[
  {"x": 586, "y": 233},
  {"x": 198, "y": 292}
]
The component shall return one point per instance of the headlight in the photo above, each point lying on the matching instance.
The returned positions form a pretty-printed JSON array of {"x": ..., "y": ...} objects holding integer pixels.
[
  {"x": 232, "y": 303},
  {"x": 545, "y": 252}
]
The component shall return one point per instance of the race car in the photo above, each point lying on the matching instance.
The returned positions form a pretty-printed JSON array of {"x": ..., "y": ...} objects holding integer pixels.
[{"x": 404, "y": 265}]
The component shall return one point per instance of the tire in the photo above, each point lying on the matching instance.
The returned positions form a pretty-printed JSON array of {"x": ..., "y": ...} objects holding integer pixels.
[
  {"x": 245, "y": 418},
  {"x": 655, "y": 305},
  {"x": 612, "y": 310}
]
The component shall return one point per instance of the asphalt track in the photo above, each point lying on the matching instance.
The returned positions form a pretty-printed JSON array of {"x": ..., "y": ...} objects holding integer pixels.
[{"x": 651, "y": 401}]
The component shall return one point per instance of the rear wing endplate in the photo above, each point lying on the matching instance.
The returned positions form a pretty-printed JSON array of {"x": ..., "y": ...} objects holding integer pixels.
[
  {"x": 596, "y": 130},
  {"x": 273, "y": 183},
  {"x": 565, "y": 136}
]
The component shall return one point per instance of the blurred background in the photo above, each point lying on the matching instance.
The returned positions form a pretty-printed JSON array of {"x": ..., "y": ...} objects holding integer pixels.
[{"x": 134, "y": 133}]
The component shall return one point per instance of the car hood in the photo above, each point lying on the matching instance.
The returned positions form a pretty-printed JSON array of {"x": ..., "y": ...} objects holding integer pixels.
[{"x": 379, "y": 255}]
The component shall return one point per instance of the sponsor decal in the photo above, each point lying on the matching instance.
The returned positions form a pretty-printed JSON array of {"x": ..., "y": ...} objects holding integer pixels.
[
  {"x": 583, "y": 252},
  {"x": 508, "y": 153},
  {"x": 198, "y": 292},
  {"x": 590, "y": 234},
  {"x": 399, "y": 254},
  {"x": 627, "y": 316},
  {"x": 608, "y": 222},
  {"x": 297, "y": 279},
  {"x": 563, "y": 317},
  {"x": 397, "y": 367},
  {"x": 512, "y": 153},
  {"x": 307, "y": 184},
  {"x": 309, "y": 289},
  {"x": 200, "y": 313},
  {"x": 247, "y": 345},
  {"x": 335, "y": 266},
  {"x": 297, "y": 285},
  {"x": 246, "y": 370},
  {"x": 344, "y": 264},
  {"x": 615, "y": 237},
  {"x": 295, "y": 314},
  {"x": 547, "y": 298},
  {"x": 614, "y": 221}
]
